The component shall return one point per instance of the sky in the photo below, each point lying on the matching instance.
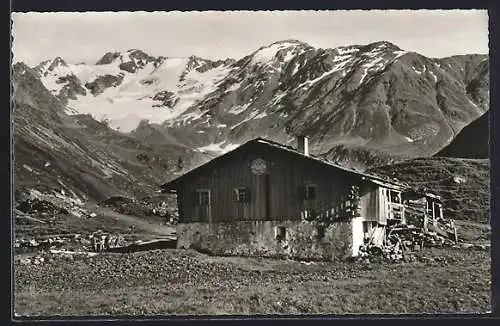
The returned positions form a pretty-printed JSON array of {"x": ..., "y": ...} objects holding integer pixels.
[{"x": 86, "y": 37}]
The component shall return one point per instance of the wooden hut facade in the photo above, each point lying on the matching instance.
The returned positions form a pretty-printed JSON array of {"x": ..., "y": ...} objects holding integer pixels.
[{"x": 267, "y": 199}]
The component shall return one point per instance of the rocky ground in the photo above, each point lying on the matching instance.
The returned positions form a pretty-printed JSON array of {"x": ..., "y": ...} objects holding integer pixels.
[
  {"x": 163, "y": 206},
  {"x": 56, "y": 272},
  {"x": 186, "y": 282},
  {"x": 56, "y": 222}
]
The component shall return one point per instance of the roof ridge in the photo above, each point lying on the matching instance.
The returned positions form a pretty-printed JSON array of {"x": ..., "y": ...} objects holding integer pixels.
[
  {"x": 330, "y": 162},
  {"x": 319, "y": 159}
]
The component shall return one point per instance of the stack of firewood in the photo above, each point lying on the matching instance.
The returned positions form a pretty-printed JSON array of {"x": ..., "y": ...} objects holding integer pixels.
[{"x": 401, "y": 240}]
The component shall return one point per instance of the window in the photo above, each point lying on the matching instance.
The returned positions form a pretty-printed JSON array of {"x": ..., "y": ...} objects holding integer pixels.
[
  {"x": 437, "y": 210},
  {"x": 202, "y": 197},
  {"x": 395, "y": 197},
  {"x": 242, "y": 194},
  {"x": 310, "y": 192},
  {"x": 280, "y": 233}
]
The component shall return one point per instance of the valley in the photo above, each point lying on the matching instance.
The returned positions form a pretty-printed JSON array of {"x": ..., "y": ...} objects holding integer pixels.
[{"x": 94, "y": 141}]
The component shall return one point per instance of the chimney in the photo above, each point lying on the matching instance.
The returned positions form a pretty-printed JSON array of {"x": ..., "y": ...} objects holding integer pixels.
[{"x": 303, "y": 145}]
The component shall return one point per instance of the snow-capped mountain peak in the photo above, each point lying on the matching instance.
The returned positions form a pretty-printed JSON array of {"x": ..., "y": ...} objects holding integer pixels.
[
  {"x": 57, "y": 62},
  {"x": 349, "y": 94},
  {"x": 281, "y": 51},
  {"x": 346, "y": 94},
  {"x": 48, "y": 66},
  {"x": 125, "y": 88}
]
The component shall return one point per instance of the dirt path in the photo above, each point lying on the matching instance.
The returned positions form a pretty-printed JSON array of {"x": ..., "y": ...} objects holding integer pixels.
[{"x": 139, "y": 223}]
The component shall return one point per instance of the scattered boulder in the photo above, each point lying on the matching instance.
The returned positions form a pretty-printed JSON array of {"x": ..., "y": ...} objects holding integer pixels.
[
  {"x": 53, "y": 203},
  {"x": 34, "y": 260},
  {"x": 35, "y": 205}
]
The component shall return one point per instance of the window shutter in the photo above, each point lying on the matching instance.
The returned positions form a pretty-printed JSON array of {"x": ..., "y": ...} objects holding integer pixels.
[
  {"x": 208, "y": 198},
  {"x": 235, "y": 194}
]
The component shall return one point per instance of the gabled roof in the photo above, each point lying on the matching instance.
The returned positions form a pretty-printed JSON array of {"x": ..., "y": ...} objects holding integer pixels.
[{"x": 265, "y": 142}]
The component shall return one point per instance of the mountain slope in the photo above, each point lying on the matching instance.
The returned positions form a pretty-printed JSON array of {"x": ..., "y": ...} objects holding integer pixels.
[
  {"x": 464, "y": 184},
  {"x": 83, "y": 157},
  {"x": 375, "y": 98},
  {"x": 471, "y": 142},
  {"x": 360, "y": 158}
]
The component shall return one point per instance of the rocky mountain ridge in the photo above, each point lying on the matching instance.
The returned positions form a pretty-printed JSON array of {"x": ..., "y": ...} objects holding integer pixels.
[
  {"x": 377, "y": 97},
  {"x": 77, "y": 155}
]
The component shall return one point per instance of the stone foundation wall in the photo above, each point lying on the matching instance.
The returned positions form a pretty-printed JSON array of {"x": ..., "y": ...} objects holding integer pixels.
[{"x": 303, "y": 240}]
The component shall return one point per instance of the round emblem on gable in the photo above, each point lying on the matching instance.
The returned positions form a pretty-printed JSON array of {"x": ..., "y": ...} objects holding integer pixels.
[{"x": 258, "y": 166}]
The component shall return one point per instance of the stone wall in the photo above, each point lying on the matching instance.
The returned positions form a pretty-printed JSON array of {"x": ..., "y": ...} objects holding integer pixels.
[{"x": 303, "y": 240}]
